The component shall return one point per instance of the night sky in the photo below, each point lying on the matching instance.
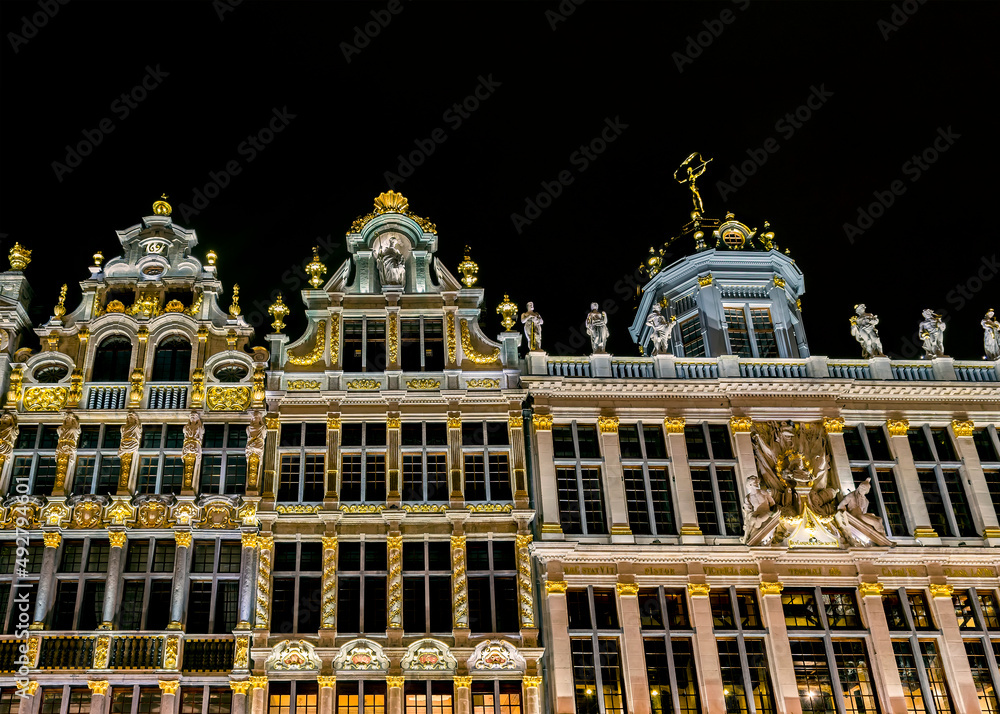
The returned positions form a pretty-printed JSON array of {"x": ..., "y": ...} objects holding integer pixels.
[{"x": 355, "y": 87}]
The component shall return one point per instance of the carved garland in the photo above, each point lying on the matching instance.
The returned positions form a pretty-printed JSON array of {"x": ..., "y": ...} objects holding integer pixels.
[
  {"x": 460, "y": 582},
  {"x": 317, "y": 352},
  {"x": 470, "y": 351}
]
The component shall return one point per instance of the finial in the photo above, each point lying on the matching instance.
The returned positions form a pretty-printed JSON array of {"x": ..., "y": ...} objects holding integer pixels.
[
  {"x": 161, "y": 207},
  {"x": 234, "y": 308},
  {"x": 653, "y": 261},
  {"x": 98, "y": 258},
  {"x": 508, "y": 311},
  {"x": 211, "y": 256},
  {"x": 316, "y": 269},
  {"x": 468, "y": 269},
  {"x": 19, "y": 257},
  {"x": 391, "y": 202},
  {"x": 60, "y": 309},
  {"x": 279, "y": 311},
  {"x": 768, "y": 237}
]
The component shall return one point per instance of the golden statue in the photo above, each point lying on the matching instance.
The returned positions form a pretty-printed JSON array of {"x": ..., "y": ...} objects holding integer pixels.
[{"x": 692, "y": 177}]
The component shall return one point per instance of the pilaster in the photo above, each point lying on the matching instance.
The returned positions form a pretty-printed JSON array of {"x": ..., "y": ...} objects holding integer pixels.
[
  {"x": 248, "y": 552},
  {"x": 633, "y": 657},
  {"x": 456, "y": 481},
  {"x": 707, "y": 651},
  {"x": 46, "y": 578},
  {"x": 953, "y": 656},
  {"x": 331, "y": 494},
  {"x": 393, "y": 458},
  {"x": 560, "y": 653},
  {"x": 328, "y": 604},
  {"x": 262, "y": 611},
  {"x": 838, "y": 449},
  {"x": 614, "y": 480},
  {"x": 884, "y": 660},
  {"x": 683, "y": 486},
  {"x": 117, "y": 539},
  {"x": 327, "y": 694},
  {"x": 548, "y": 494},
  {"x": 169, "y": 690},
  {"x": 909, "y": 484},
  {"x": 178, "y": 587},
  {"x": 782, "y": 668},
  {"x": 515, "y": 426},
  {"x": 980, "y": 500}
]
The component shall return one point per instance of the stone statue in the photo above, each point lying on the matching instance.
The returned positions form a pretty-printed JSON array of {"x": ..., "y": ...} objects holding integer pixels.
[
  {"x": 662, "y": 327},
  {"x": 790, "y": 459},
  {"x": 8, "y": 434},
  {"x": 991, "y": 336},
  {"x": 391, "y": 268},
  {"x": 758, "y": 506},
  {"x": 194, "y": 432},
  {"x": 597, "y": 328},
  {"x": 131, "y": 433},
  {"x": 532, "y": 322},
  {"x": 256, "y": 431},
  {"x": 863, "y": 329},
  {"x": 931, "y": 331},
  {"x": 856, "y": 503},
  {"x": 69, "y": 434}
]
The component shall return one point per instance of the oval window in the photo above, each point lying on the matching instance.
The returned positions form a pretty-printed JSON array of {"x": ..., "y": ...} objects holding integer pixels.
[
  {"x": 50, "y": 373},
  {"x": 231, "y": 373}
]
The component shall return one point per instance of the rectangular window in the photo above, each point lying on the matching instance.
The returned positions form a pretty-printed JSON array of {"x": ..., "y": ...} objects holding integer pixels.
[
  {"x": 426, "y": 584},
  {"x": 934, "y": 671},
  {"x": 980, "y": 666},
  {"x": 363, "y": 454},
  {"x": 713, "y": 476},
  {"x": 647, "y": 486},
  {"x": 361, "y": 587},
  {"x": 223, "y": 459},
  {"x": 763, "y": 330},
  {"x": 739, "y": 337},
  {"x": 812, "y": 676},
  {"x": 691, "y": 337},
  {"x": 492, "y": 581}
]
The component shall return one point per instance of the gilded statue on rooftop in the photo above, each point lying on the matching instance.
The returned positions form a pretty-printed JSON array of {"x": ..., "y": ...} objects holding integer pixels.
[
  {"x": 693, "y": 172},
  {"x": 532, "y": 322}
]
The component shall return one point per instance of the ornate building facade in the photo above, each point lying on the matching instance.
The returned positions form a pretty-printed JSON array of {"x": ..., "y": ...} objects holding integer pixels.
[{"x": 396, "y": 514}]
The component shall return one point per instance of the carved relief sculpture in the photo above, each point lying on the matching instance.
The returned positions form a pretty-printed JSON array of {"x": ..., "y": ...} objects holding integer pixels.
[
  {"x": 391, "y": 268},
  {"x": 194, "y": 431},
  {"x": 856, "y": 503},
  {"x": 69, "y": 434},
  {"x": 662, "y": 327},
  {"x": 131, "y": 434},
  {"x": 863, "y": 329},
  {"x": 8, "y": 435},
  {"x": 256, "y": 431}
]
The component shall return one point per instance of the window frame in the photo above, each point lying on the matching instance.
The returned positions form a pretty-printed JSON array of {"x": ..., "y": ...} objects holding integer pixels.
[
  {"x": 224, "y": 453},
  {"x": 161, "y": 453},
  {"x": 147, "y": 576},
  {"x": 713, "y": 464},
  {"x": 306, "y": 455},
  {"x": 578, "y": 464},
  {"x": 363, "y": 452},
  {"x": 34, "y": 454},
  {"x": 594, "y": 635},
  {"x": 215, "y": 578},
  {"x": 423, "y": 451},
  {"x": 360, "y": 576},
  {"x": 939, "y": 467},
  {"x": 422, "y": 320},
  {"x": 297, "y": 574},
  {"x": 747, "y": 307},
  {"x": 645, "y": 463},
  {"x": 491, "y": 575},
  {"x": 873, "y": 466},
  {"x": 740, "y": 635},
  {"x": 486, "y": 450}
]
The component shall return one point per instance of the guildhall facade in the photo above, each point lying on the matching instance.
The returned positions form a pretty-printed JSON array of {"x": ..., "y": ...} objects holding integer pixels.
[{"x": 394, "y": 513}]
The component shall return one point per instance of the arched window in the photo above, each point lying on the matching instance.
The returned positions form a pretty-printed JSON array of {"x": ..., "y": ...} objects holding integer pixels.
[
  {"x": 172, "y": 362},
  {"x": 112, "y": 360}
]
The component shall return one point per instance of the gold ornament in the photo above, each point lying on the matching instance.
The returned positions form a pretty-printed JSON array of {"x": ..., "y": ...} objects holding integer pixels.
[
  {"x": 19, "y": 257},
  {"x": 461, "y": 682},
  {"x": 228, "y": 399},
  {"x": 234, "y": 309},
  {"x": 115, "y": 306},
  {"x": 771, "y": 588},
  {"x": 705, "y": 281},
  {"x": 423, "y": 384},
  {"x": 211, "y": 256},
  {"x": 898, "y": 427},
  {"x": 508, "y": 311},
  {"x": 45, "y": 399},
  {"x": 316, "y": 269},
  {"x": 364, "y": 384},
  {"x": 542, "y": 422},
  {"x": 161, "y": 207},
  {"x": 867, "y": 589},
  {"x": 485, "y": 383},
  {"x": 60, "y": 309},
  {"x": 941, "y": 590},
  {"x": 303, "y": 384},
  {"x": 98, "y": 687},
  {"x": 962, "y": 428},
  {"x": 674, "y": 425},
  {"x": 607, "y": 424},
  {"x": 699, "y": 589},
  {"x": 169, "y": 687},
  {"x": 174, "y": 306},
  {"x": 627, "y": 588},
  {"x": 279, "y": 311},
  {"x": 555, "y": 586},
  {"x": 740, "y": 424},
  {"x": 468, "y": 269},
  {"x": 316, "y": 353},
  {"x": 834, "y": 425},
  {"x": 470, "y": 351}
]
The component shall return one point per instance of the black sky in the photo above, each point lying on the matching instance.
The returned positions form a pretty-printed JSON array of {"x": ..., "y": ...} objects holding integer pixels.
[{"x": 221, "y": 75}]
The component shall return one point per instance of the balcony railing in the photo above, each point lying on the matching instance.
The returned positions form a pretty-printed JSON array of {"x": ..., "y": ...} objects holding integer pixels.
[
  {"x": 208, "y": 655},
  {"x": 125, "y": 651},
  {"x": 913, "y": 372},
  {"x": 849, "y": 370},
  {"x": 69, "y": 652},
  {"x": 632, "y": 368},
  {"x": 773, "y": 368},
  {"x": 136, "y": 652},
  {"x": 561, "y": 367},
  {"x": 976, "y": 373},
  {"x": 106, "y": 396},
  {"x": 697, "y": 369},
  {"x": 167, "y": 396}
]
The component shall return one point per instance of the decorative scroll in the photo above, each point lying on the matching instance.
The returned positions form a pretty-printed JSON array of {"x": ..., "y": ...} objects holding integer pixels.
[
  {"x": 470, "y": 351},
  {"x": 263, "y": 611},
  {"x": 228, "y": 399},
  {"x": 45, "y": 399},
  {"x": 395, "y": 605},
  {"x": 317, "y": 351},
  {"x": 524, "y": 596},
  {"x": 460, "y": 583},
  {"x": 328, "y": 608}
]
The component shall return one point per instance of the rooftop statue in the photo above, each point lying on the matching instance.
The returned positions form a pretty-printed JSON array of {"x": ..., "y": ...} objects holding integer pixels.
[
  {"x": 662, "y": 327},
  {"x": 692, "y": 177},
  {"x": 991, "y": 336},
  {"x": 931, "y": 332},
  {"x": 597, "y": 328},
  {"x": 532, "y": 322},
  {"x": 863, "y": 329}
]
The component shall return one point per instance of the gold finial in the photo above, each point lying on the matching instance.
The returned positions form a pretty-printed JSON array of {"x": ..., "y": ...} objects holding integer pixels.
[
  {"x": 468, "y": 269},
  {"x": 316, "y": 269},
  {"x": 692, "y": 177},
  {"x": 98, "y": 258},
  {"x": 768, "y": 237},
  {"x": 60, "y": 309},
  {"x": 211, "y": 256},
  {"x": 19, "y": 257},
  {"x": 651, "y": 266},
  {"x": 279, "y": 311},
  {"x": 508, "y": 311},
  {"x": 234, "y": 309},
  {"x": 161, "y": 207},
  {"x": 391, "y": 202}
]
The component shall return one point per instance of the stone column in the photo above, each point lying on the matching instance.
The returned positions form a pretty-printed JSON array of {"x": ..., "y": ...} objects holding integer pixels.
[
  {"x": 394, "y": 698},
  {"x": 463, "y": 694},
  {"x": 168, "y": 696},
  {"x": 262, "y": 611},
  {"x": 533, "y": 695},
  {"x": 979, "y": 497},
  {"x": 327, "y": 694},
  {"x": 682, "y": 486},
  {"x": 178, "y": 590},
  {"x": 456, "y": 465},
  {"x": 247, "y": 556},
  {"x": 25, "y": 690},
  {"x": 258, "y": 696},
  {"x": 240, "y": 691},
  {"x": 909, "y": 484},
  {"x": 614, "y": 480},
  {"x": 272, "y": 423},
  {"x": 883, "y": 658},
  {"x": 515, "y": 425},
  {"x": 559, "y": 647},
  {"x": 786, "y": 690},
  {"x": 117, "y": 539},
  {"x": 394, "y": 619},
  {"x": 707, "y": 650},
  {"x": 953, "y": 656},
  {"x": 99, "y": 696},
  {"x": 46, "y": 579},
  {"x": 393, "y": 456},
  {"x": 460, "y": 583},
  {"x": 746, "y": 464},
  {"x": 838, "y": 450},
  {"x": 328, "y": 606},
  {"x": 548, "y": 493},
  {"x": 331, "y": 492},
  {"x": 633, "y": 657}
]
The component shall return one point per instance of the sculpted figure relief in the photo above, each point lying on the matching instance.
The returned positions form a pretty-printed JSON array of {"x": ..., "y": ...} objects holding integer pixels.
[
  {"x": 532, "y": 322},
  {"x": 131, "y": 432},
  {"x": 758, "y": 506},
  {"x": 194, "y": 431},
  {"x": 856, "y": 503},
  {"x": 597, "y": 328},
  {"x": 391, "y": 268},
  {"x": 256, "y": 431},
  {"x": 69, "y": 433},
  {"x": 8, "y": 434},
  {"x": 932, "y": 334},
  {"x": 794, "y": 456},
  {"x": 662, "y": 328},
  {"x": 863, "y": 329},
  {"x": 991, "y": 336}
]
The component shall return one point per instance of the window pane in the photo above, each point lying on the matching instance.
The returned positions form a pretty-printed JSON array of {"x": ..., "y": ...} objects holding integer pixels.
[
  {"x": 656, "y": 447},
  {"x": 812, "y": 676}
]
